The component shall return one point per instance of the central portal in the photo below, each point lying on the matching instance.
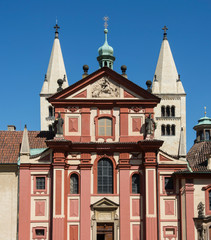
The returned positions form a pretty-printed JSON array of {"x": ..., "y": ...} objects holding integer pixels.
[{"x": 105, "y": 231}]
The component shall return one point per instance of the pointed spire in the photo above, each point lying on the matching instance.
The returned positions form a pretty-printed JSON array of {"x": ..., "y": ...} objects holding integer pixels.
[
  {"x": 25, "y": 149},
  {"x": 56, "y": 68},
  {"x": 166, "y": 80}
]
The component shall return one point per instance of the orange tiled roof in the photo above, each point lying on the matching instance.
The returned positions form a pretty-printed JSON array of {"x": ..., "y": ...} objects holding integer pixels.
[{"x": 10, "y": 143}]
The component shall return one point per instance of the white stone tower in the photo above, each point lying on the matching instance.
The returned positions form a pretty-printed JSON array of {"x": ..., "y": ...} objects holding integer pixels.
[
  {"x": 55, "y": 80},
  {"x": 170, "y": 114}
]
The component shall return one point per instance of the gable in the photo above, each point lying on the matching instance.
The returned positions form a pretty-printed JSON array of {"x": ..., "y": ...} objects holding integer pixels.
[
  {"x": 104, "y": 88},
  {"x": 104, "y": 84}
]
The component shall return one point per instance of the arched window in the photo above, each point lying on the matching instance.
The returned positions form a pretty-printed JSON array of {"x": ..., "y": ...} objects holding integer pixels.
[
  {"x": 168, "y": 130},
  {"x": 167, "y": 111},
  {"x": 51, "y": 112},
  {"x": 74, "y": 186},
  {"x": 163, "y": 130},
  {"x": 136, "y": 183},
  {"x": 105, "y": 126},
  {"x": 209, "y": 199},
  {"x": 105, "y": 176},
  {"x": 207, "y": 134},
  {"x": 163, "y": 111},
  {"x": 173, "y": 111},
  {"x": 173, "y": 130}
]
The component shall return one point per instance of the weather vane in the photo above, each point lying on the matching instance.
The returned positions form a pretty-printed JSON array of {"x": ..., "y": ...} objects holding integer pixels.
[{"x": 106, "y": 21}]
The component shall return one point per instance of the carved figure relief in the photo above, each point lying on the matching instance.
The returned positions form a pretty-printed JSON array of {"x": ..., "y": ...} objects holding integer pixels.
[{"x": 103, "y": 88}]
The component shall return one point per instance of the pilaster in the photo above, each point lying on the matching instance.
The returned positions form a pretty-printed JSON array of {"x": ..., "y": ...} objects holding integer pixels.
[
  {"x": 85, "y": 202},
  {"x": 124, "y": 192}
]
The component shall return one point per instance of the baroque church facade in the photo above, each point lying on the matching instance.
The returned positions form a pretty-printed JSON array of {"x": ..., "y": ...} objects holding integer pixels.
[{"x": 110, "y": 160}]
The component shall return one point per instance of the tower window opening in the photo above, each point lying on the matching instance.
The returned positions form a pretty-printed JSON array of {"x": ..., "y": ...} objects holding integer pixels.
[
  {"x": 168, "y": 130},
  {"x": 105, "y": 64},
  {"x": 163, "y": 111},
  {"x": 163, "y": 130},
  {"x": 207, "y": 134},
  {"x": 173, "y": 130},
  {"x": 173, "y": 111},
  {"x": 167, "y": 111},
  {"x": 51, "y": 111}
]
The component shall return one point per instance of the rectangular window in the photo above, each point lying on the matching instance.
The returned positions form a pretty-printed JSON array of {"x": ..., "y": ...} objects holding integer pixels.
[
  {"x": 39, "y": 232},
  {"x": 40, "y": 183},
  {"x": 169, "y": 184},
  {"x": 105, "y": 127}
]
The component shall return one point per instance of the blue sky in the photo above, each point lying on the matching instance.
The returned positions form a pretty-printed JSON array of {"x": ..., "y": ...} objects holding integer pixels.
[{"x": 134, "y": 32}]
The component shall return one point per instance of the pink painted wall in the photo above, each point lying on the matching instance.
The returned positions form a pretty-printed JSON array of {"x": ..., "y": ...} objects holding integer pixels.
[
  {"x": 189, "y": 198},
  {"x": 85, "y": 217},
  {"x": 24, "y": 204},
  {"x": 124, "y": 203}
]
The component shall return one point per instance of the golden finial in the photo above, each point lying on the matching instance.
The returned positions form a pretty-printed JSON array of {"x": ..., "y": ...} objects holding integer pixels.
[
  {"x": 205, "y": 108},
  {"x": 106, "y": 21}
]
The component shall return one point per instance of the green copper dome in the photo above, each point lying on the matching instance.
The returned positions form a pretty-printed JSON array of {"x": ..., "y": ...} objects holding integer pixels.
[
  {"x": 204, "y": 121},
  {"x": 106, "y": 57},
  {"x": 106, "y": 49}
]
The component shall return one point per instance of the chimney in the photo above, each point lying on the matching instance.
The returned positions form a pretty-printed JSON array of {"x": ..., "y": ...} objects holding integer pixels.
[{"x": 11, "y": 127}]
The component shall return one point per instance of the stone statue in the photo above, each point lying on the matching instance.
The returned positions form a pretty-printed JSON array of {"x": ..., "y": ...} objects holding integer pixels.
[
  {"x": 59, "y": 124},
  {"x": 150, "y": 125},
  {"x": 200, "y": 209}
]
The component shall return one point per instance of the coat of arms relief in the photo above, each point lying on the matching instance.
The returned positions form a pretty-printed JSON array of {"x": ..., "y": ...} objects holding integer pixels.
[{"x": 104, "y": 88}]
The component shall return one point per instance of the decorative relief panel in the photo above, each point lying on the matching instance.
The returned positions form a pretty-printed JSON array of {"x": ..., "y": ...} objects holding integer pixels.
[
  {"x": 73, "y": 124},
  {"x": 136, "y": 207},
  {"x": 40, "y": 208},
  {"x": 73, "y": 207},
  {"x": 136, "y": 232},
  {"x": 104, "y": 88},
  {"x": 136, "y": 124},
  {"x": 169, "y": 207},
  {"x": 73, "y": 232}
]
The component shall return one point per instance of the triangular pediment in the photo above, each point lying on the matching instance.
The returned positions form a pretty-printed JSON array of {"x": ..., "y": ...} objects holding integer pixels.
[
  {"x": 104, "y": 84},
  {"x": 104, "y": 204},
  {"x": 164, "y": 158}
]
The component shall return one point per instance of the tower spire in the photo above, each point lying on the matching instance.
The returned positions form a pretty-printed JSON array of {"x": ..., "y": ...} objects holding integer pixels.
[
  {"x": 56, "y": 70},
  {"x": 106, "y": 57}
]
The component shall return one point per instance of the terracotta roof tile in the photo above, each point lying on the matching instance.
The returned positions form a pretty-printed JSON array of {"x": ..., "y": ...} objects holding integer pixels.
[
  {"x": 197, "y": 156},
  {"x": 10, "y": 143}
]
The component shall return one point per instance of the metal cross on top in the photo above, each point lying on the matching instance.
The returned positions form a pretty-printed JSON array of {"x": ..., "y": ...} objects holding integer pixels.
[
  {"x": 106, "y": 21},
  {"x": 56, "y": 32},
  {"x": 165, "y": 33}
]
